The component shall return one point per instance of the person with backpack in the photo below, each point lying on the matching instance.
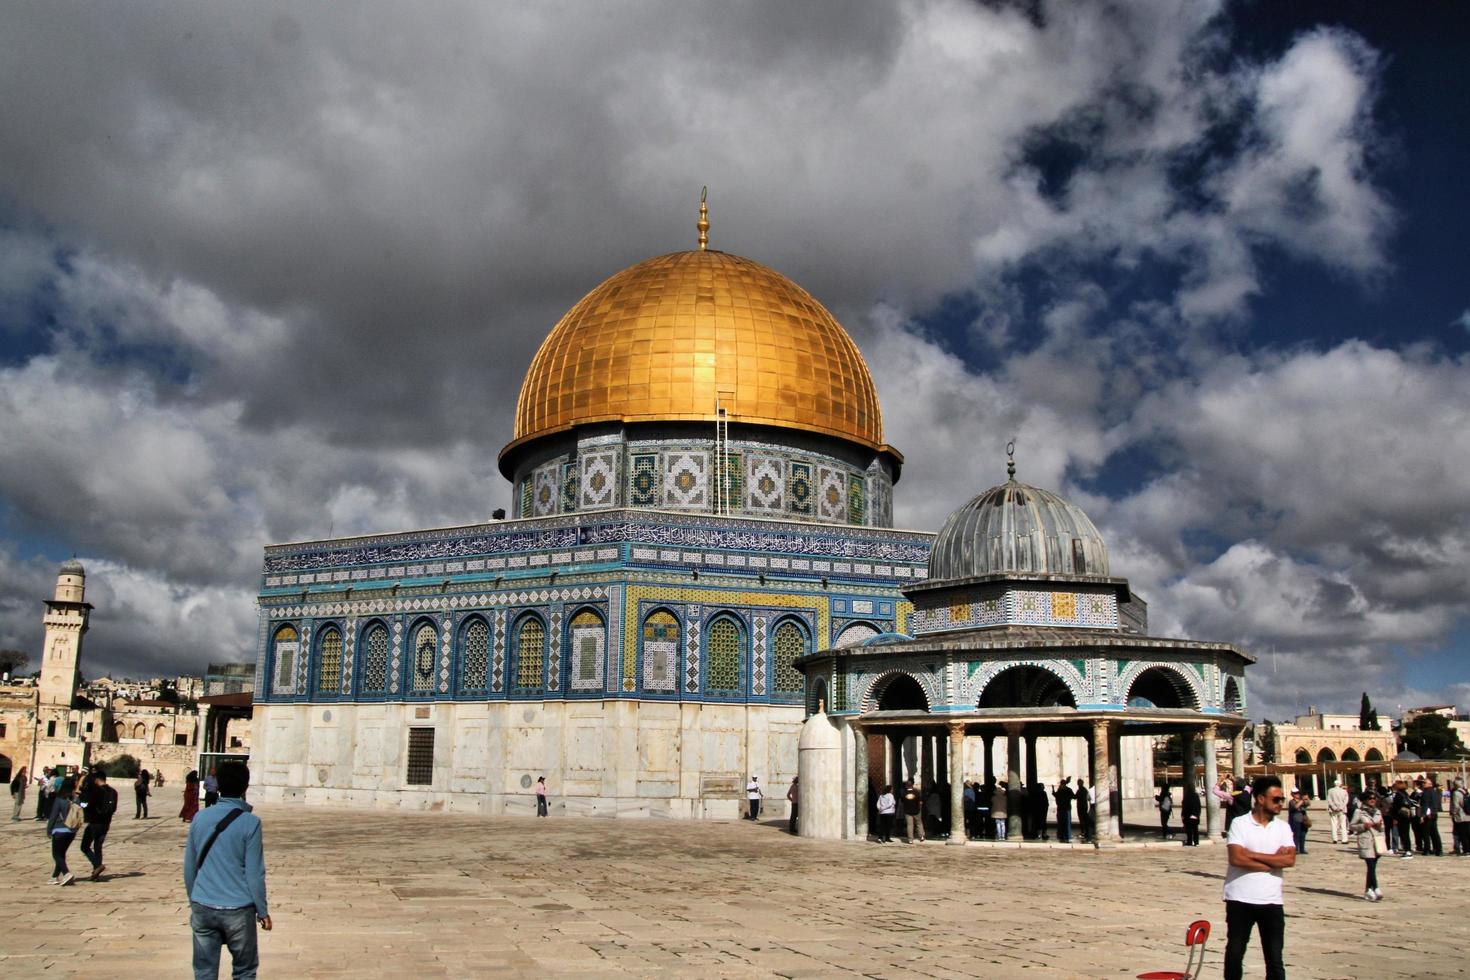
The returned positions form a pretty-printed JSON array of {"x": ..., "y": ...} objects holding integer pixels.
[
  {"x": 18, "y": 787},
  {"x": 224, "y": 878},
  {"x": 1460, "y": 817},
  {"x": 61, "y": 829},
  {"x": 887, "y": 805},
  {"x": 1402, "y": 809},
  {"x": 1165, "y": 803},
  {"x": 98, "y": 804}
]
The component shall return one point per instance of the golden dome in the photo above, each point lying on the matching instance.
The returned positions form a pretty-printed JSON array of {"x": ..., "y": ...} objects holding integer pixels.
[{"x": 664, "y": 339}]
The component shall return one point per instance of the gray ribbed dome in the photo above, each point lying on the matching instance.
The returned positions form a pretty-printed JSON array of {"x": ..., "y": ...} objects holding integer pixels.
[
  {"x": 1017, "y": 529},
  {"x": 72, "y": 567}
]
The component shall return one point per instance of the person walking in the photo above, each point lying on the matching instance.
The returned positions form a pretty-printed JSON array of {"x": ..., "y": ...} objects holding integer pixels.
[
  {"x": 1431, "y": 801},
  {"x": 211, "y": 788},
  {"x": 1366, "y": 825},
  {"x": 1337, "y": 807},
  {"x": 753, "y": 797},
  {"x": 887, "y": 806},
  {"x": 224, "y": 878},
  {"x": 61, "y": 828},
  {"x": 1165, "y": 802},
  {"x": 793, "y": 797},
  {"x": 970, "y": 799},
  {"x": 999, "y": 809},
  {"x": 98, "y": 805},
  {"x": 1259, "y": 849},
  {"x": 913, "y": 814},
  {"x": 543, "y": 808},
  {"x": 1460, "y": 817},
  {"x": 191, "y": 797},
  {"x": 1064, "y": 796},
  {"x": 1189, "y": 812},
  {"x": 18, "y": 787},
  {"x": 140, "y": 795}
]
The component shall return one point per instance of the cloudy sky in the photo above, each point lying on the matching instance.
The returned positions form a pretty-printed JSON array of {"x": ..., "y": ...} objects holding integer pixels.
[{"x": 274, "y": 271}]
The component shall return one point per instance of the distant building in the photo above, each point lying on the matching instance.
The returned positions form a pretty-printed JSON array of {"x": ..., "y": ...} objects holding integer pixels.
[{"x": 229, "y": 679}]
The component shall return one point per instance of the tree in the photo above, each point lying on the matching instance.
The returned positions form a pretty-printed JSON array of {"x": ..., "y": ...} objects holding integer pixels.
[
  {"x": 1367, "y": 715},
  {"x": 124, "y": 766},
  {"x": 12, "y": 662},
  {"x": 1429, "y": 736},
  {"x": 1266, "y": 742}
]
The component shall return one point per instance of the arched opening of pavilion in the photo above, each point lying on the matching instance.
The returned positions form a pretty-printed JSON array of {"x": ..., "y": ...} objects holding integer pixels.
[
  {"x": 1322, "y": 781},
  {"x": 1161, "y": 687},
  {"x": 1026, "y": 687},
  {"x": 1352, "y": 780}
]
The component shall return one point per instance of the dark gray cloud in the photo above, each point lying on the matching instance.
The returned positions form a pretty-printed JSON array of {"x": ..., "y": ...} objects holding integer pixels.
[{"x": 287, "y": 265}]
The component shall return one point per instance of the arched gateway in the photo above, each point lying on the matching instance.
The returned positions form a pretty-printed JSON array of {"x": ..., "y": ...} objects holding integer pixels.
[{"x": 1046, "y": 667}]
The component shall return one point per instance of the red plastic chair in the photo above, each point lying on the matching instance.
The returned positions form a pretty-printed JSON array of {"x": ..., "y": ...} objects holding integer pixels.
[{"x": 1194, "y": 937}]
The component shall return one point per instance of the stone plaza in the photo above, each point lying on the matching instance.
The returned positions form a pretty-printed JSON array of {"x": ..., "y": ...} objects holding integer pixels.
[{"x": 361, "y": 892}]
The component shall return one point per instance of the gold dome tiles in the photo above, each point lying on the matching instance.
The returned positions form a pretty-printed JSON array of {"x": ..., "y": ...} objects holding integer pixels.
[{"x": 664, "y": 339}]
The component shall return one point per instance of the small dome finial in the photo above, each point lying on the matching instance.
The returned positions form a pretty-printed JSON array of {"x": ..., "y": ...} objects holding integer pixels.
[
  {"x": 703, "y": 223},
  {"x": 1011, "y": 459}
]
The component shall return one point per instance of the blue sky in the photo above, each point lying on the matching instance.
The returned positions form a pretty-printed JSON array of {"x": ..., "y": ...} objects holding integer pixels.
[{"x": 274, "y": 272}]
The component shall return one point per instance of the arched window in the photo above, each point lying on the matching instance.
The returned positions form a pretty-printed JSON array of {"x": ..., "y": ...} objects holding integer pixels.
[
  {"x": 788, "y": 643},
  {"x": 588, "y": 641},
  {"x": 660, "y": 651},
  {"x": 160, "y": 734},
  {"x": 530, "y": 654},
  {"x": 287, "y": 645},
  {"x": 853, "y": 635},
  {"x": 722, "y": 644},
  {"x": 140, "y": 731},
  {"x": 425, "y": 656},
  {"x": 119, "y": 731},
  {"x": 375, "y": 661},
  {"x": 474, "y": 655},
  {"x": 329, "y": 662}
]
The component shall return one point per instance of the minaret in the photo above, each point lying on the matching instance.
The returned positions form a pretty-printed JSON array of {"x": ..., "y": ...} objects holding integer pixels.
[{"x": 66, "y": 621}]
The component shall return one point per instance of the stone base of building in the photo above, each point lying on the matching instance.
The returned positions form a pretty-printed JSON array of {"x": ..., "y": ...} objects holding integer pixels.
[{"x": 609, "y": 758}]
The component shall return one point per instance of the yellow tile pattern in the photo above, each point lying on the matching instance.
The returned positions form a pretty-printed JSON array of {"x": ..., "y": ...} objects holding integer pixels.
[
  {"x": 662, "y": 339},
  {"x": 709, "y": 597},
  {"x": 1064, "y": 605}
]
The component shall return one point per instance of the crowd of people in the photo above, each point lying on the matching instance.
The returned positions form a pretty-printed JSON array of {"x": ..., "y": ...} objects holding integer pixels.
[{"x": 989, "y": 809}]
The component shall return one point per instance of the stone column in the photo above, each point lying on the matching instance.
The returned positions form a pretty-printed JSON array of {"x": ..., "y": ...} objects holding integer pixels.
[
  {"x": 1014, "y": 799},
  {"x": 1030, "y": 759},
  {"x": 1102, "y": 783},
  {"x": 1212, "y": 778},
  {"x": 860, "y": 783},
  {"x": 1237, "y": 754},
  {"x": 956, "y": 775},
  {"x": 988, "y": 766},
  {"x": 1115, "y": 776}
]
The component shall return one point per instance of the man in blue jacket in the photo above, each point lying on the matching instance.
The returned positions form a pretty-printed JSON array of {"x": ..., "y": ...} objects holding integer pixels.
[{"x": 224, "y": 877}]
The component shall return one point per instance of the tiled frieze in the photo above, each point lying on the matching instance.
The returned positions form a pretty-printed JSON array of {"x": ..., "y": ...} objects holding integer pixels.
[
  {"x": 998, "y": 606},
  {"x": 765, "y": 483},
  {"x": 598, "y": 481},
  {"x": 644, "y": 480},
  {"x": 686, "y": 480},
  {"x": 831, "y": 494}
]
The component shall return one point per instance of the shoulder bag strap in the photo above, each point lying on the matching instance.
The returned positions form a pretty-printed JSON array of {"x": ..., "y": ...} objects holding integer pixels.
[{"x": 219, "y": 828}]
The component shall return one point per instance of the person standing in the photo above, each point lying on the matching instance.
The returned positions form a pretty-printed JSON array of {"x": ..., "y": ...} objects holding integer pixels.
[
  {"x": 224, "y": 878},
  {"x": 887, "y": 806},
  {"x": 983, "y": 796},
  {"x": 913, "y": 814},
  {"x": 43, "y": 794},
  {"x": 1459, "y": 818},
  {"x": 1165, "y": 802},
  {"x": 793, "y": 797},
  {"x": 971, "y": 809},
  {"x": 1337, "y": 807},
  {"x": 1296, "y": 819},
  {"x": 1403, "y": 812},
  {"x": 191, "y": 797},
  {"x": 1084, "y": 809},
  {"x": 542, "y": 808},
  {"x": 1259, "y": 849},
  {"x": 211, "y": 788},
  {"x": 61, "y": 828},
  {"x": 1367, "y": 823},
  {"x": 18, "y": 787},
  {"x": 140, "y": 795},
  {"x": 1039, "y": 805},
  {"x": 1431, "y": 801},
  {"x": 1189, "y": 811},
  {"x": 753, "y": 797},
  {"x": 1064, "y": 796},
  {"x": 999, "y": 809},
  {"x": 98, "y": 806}
]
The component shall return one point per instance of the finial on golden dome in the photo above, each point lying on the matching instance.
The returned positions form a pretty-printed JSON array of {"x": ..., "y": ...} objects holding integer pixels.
[
  {"x": 703, "y": 223},
  {"x": 1011, "y": 459}
]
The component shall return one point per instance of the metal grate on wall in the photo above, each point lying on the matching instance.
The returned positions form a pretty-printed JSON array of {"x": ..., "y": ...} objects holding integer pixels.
[{"x": 420, "y": 756}]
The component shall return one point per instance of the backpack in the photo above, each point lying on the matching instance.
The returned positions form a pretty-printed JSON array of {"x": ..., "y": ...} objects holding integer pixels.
[{"x": 1465, "y": 804}]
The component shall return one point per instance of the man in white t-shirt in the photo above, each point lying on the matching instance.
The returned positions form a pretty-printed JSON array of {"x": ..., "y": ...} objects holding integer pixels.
[
  {"x": 1260, "y": 847},
  {"x": 753, "y": 796}
]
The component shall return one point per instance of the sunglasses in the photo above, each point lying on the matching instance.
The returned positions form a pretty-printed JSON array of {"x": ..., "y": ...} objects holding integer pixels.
[{"x": 1275, "y": 799}]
